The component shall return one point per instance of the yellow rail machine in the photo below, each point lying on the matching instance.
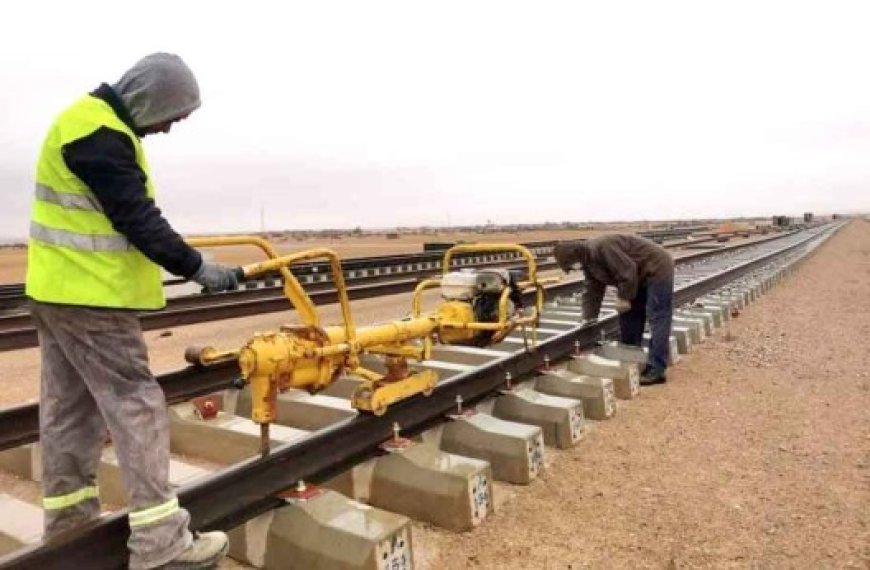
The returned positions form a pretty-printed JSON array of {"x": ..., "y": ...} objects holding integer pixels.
[{"x": 479, "y": 307}]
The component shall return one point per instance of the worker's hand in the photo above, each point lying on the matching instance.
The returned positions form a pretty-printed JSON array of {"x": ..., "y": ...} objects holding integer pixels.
[
  {"x": 564, "y": 256},
  {"x": 622, "y": 306},
  {"x": 216, "y": 277}
]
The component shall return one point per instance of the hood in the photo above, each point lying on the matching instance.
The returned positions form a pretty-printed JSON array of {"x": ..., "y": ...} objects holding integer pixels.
[
  {"x": 568, "y": 253},
  {"x": 160, "y": 87}
]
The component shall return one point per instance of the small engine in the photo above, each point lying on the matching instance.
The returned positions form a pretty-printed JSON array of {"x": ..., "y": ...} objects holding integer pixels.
[{"x": 480, "y": 292}]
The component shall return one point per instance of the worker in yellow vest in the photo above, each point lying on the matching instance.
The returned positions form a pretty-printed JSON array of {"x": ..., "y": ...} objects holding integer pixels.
[{"x": 97, "y": 243}]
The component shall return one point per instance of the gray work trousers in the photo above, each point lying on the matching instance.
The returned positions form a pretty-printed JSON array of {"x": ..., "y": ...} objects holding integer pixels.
[{"x": 95, "y": 376}]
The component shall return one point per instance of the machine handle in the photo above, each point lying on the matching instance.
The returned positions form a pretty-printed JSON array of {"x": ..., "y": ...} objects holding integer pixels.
[{"x": 297, "y": 295}]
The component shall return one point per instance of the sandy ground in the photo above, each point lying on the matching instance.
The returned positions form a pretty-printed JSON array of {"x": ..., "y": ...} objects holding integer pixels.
[
  {"x": 756, "y": 454},
  {"x": 13, "y": 263}
]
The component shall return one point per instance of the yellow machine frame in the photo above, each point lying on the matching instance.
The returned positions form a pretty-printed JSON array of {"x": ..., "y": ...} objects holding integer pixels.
[
  {"x": 503, "y": 326},
  {"x": 311, "y": 356}
]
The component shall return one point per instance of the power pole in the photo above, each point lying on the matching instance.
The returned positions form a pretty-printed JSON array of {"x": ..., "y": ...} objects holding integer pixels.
[{"x": 262, "y": 218}]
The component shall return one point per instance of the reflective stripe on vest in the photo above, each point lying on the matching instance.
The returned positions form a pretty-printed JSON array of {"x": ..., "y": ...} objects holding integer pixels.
[
  {"x": 70, "y": 499},
  {"x": 152, "y": 515},
  {"x": 67, "y": 200},
  {"x": 80, "y": 242}
]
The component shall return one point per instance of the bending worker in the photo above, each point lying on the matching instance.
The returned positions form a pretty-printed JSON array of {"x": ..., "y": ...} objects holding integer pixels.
[
  {"x": 97, "y": 243},
  {"x": 643, "y": 274}
]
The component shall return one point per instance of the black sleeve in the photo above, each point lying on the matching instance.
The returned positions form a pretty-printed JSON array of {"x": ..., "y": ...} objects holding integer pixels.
[{"x": 105, "y": 160}]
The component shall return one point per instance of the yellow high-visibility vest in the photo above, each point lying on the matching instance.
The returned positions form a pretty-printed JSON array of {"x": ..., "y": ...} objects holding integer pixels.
[{"x": 75, "y": 256}]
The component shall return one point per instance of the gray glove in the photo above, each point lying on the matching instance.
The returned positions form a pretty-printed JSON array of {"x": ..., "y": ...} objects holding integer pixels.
[
  {"x": 216, "y": 277},
  {"x": 622, "y": 306}
]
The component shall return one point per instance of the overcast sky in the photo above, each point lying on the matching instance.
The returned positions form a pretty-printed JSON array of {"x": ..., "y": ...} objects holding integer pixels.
[{"x": 338, "y": 114}]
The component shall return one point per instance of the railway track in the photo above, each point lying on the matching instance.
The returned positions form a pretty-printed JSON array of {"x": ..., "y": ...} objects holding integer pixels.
[
  {"x": 362, "y": 268},
  {"x": 251, "y": 487},
  {"x": 366, "y": 277},
  {"x": 12, "y": 294}
]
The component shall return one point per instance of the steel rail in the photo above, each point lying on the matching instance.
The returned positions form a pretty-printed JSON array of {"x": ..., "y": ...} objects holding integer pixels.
[
  {"x": 19, "y": 425},
  {"x": 17, "y": 330},
  {"x": 249, "y": 488}
]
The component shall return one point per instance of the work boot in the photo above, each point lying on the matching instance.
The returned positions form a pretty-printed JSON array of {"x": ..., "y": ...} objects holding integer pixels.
[
  {"x": 651, "y": 377},
  {"x": 207, "y": 550}
]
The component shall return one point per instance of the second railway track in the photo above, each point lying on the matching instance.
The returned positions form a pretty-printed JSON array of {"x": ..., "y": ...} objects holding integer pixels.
[{"x": 366, "y": 277}]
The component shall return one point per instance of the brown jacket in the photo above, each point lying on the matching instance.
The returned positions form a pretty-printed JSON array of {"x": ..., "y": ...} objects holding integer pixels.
[{"x": 624, "y": 261}]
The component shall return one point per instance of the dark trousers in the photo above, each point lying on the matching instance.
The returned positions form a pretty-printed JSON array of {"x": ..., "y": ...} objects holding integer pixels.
[{"x": 654, "y": 300}]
